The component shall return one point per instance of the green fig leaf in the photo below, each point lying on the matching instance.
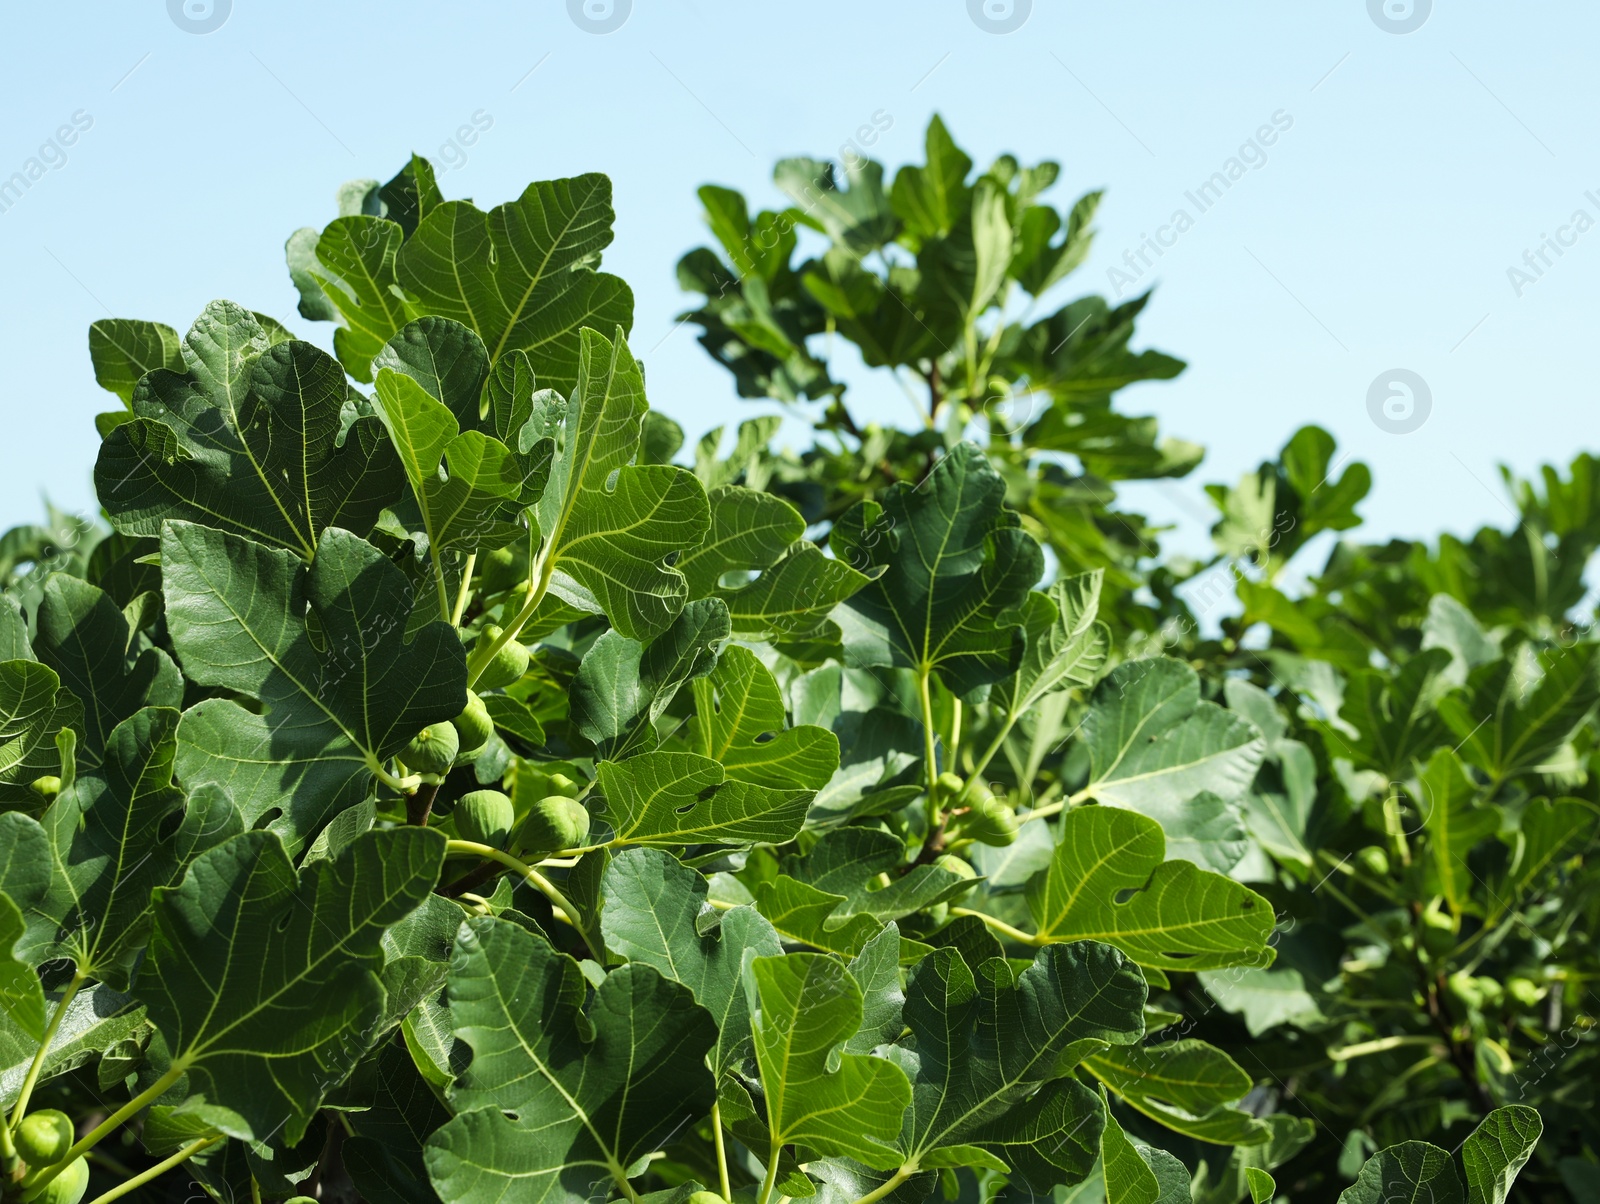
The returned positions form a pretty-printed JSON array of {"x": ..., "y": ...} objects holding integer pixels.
[
  {"x": 802, "y": 1006},
  {"x": 1177, "y": 916},
  {"x": 1188, "y": 1086},
  {"x": 1152, "y": 742},
  {"x": 559, "y": 1100},
  {"x": 118, "y": 833},
  {"x": 954, "y": 567},
  {"x": 252, "y": 440},
  {"x": 264, "y": 982},
  {"x": 335, "y": 702},
  {"x": 34, "y": 711},
  {"x": 623, "y": 686},
  {"x": 676, "y": 798},
  {"x": 114, "y": 671},
  {"x": 989, "y": 1053},
  {"x": 611, "y": 526},
  {"x": 122, "y": 350},
  {"x": 656, "y": 913},
  {"x": 740, "y": 721}
]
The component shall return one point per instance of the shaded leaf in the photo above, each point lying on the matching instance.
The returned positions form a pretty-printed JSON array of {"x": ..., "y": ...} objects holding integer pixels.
[
  {"x": 558, "y": 1100},
  {"x": 252, "y": 440},
  {"x": 956, "y": 566},
  {"x": 656, "y": 913},
  {"x": 853, "y": 863},
  {"x": 623, "y": 685},
  {"x": 264, "y": 982},
  {"x": 115, "y": 836},
  {"x": 34, "y": 710},
  {"x": 384, "y": 1156},
  {"x": 1188, "y": 1086},
  {"x": 334, "y": 703},
  {"x": 988, "y": 1051},
  {"x": 85, "y": 637}
]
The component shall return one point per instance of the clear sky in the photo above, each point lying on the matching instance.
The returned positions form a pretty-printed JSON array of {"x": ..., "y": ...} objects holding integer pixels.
[{"x": 1378, "y": 231}]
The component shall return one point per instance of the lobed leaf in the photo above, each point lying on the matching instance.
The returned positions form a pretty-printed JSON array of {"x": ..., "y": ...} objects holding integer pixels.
[
  {"x": 337, "y": 698},
  {"x": 263, "y": 982},
  {"x": 253, "y": 439},
  {"x": 559, "y": 1102}
]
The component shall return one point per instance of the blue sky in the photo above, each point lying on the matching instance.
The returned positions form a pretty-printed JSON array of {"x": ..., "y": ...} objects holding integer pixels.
[{"x": 1410, "y": 174}]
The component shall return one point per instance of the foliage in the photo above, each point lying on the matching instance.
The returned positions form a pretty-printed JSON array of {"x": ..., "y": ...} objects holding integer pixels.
[{"x": 880, "y": 821}]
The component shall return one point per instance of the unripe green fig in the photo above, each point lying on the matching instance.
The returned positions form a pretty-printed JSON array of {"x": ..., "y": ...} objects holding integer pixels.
[
  {"x": 498, "y": 570},
  {"x": 987, "y": 821},
  {"x": 485, "y": 816},
  {"x": 1375, "y": 860},
  {"x": 67, "y": 1187},
  {"x": 950, "y": 786},
  {"x": 555, "y": 822},
  {"x": 1478, "y": 993},
  {"x": 1524, "y": 990},
  {"x": 706, "y": 1197},
  {"x": 1438, "y": 930},
  {"x": 473, "y": 726},
  {"x": 955, "y": 865},
  {"x": 433, "y": 749},
  {"x": 44, "y": 1137},
  {"x": 46, "y": 787},
  {"x": 560, "y": 783},
  {"x": 507, "y": 665}
]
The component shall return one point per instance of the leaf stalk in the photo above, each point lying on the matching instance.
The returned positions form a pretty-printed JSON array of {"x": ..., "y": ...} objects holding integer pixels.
[
  {"x": 159, "y": 1169},
  {"x": 37, "y": 1065},
  {"x": 132, "y": 1108}
]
